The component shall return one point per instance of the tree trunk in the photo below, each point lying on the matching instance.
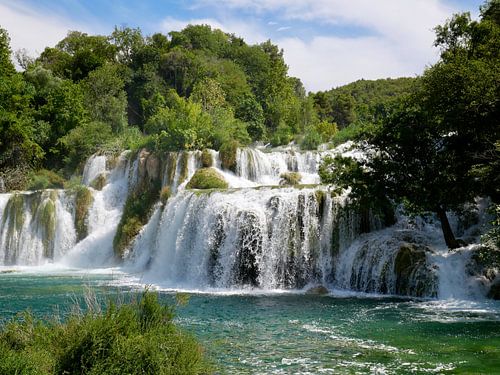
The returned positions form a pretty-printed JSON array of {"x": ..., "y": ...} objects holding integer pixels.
[{"x": 449, "y": 237}]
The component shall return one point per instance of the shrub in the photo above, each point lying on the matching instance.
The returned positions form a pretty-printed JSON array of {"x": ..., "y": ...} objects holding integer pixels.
[
  {"x": 290, "y": 178},
  {"x": 227, "y": 154},
  {"x": 45, "y": 179},
  {"x": 134, "y": 338},
  {"x": 207, "y": 178}
]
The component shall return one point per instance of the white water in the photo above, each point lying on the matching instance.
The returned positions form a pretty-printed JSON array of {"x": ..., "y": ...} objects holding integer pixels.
[{"x": 253, "y": 235}]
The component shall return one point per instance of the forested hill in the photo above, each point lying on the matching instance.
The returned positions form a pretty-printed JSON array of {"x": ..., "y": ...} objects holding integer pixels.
[
  {"x": 360, "y": 101},
  {"x": 193, "y": 89}
]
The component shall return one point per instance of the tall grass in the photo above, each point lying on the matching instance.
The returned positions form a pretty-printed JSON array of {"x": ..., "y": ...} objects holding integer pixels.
[{"x": 138, "y": 337}]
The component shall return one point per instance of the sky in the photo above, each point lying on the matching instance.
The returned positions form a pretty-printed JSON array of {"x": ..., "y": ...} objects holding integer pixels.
[{"x": 326, "y": 43}]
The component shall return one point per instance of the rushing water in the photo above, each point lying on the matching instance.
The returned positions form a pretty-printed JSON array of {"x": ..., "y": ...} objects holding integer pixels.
[{"x": 288, "y": 333}]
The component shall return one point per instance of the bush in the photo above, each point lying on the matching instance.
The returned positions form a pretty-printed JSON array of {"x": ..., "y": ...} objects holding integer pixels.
[
  {"x": 207, "y": 178},
  {"x": 45, "y": 179},
  {"x": 134, "y": 338},
  {"x": 290, "y": 178},
  {"x": 227, "y": 154}
]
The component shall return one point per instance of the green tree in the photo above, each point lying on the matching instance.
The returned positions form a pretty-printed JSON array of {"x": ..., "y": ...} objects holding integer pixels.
[
  {"x": 105, "y": 97},
  {"x": 6, "y": 66}
]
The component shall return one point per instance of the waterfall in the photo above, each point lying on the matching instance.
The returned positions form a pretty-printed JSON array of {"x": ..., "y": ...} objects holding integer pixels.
[
  {"x": 267, "y": 238},
  {"x": 34, "y": 227},
  {"x": 256, "y": 234},
  {"x": 104, "y": 214}
]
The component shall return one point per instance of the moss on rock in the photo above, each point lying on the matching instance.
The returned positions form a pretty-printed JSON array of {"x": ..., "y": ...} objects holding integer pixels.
[
  {"x": 165, "y": 194},
  {"x": 227, "y": 154},
  {"x": 83, "y": 200},
  {"x": 413, "y": 277},
  {"x": 290, "y": 178},
  {"x": 207, "y": 178},
  {"x": 184, "y": 167},
  {"x": 170, "y": 168},
  {"x": 47, "y": 223},
  {"x": 14, "y": 212},
  {"x": 136, "y": 213},
  {"x": 99, "y": 182},
  {"x": 206, "y": 159}
]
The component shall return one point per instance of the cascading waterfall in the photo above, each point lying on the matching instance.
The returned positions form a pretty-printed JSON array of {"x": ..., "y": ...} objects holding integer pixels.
[
  {"x": 34, "y": 227},
  {"x": 267, "y": 238},
  {"x": 253, "y": 235}
]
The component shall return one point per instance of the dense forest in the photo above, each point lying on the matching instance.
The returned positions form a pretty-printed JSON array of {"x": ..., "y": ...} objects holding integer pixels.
[{"x": 194, "y": 89}]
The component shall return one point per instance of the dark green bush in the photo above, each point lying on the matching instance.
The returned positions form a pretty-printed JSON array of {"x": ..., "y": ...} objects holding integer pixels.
[{"x": 134, "y": 338}]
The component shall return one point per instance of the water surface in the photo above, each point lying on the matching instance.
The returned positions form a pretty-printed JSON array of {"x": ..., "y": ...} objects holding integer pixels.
[{"x": 281, "y": 333}]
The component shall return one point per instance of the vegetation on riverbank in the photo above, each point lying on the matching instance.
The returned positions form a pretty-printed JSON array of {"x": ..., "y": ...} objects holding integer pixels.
[{"x": 133, "y": 338}]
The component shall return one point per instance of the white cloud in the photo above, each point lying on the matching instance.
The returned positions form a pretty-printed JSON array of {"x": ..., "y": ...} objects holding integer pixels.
[
  {"x": 326, "y": 62},
  {"x": 283, "y": 28},
  {"x": 33, "y": 31}
]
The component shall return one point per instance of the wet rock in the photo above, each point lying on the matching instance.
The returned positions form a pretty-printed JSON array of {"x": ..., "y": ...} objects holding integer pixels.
[
  {"x": 413, "y": 275},
  {"x": 153, "y": 167},
  {"x": 318, "y": 290},
  {"x": 99, "y": 182},
  {"x": 494, "y": 292},
  {"x": 141, "y": 167}
]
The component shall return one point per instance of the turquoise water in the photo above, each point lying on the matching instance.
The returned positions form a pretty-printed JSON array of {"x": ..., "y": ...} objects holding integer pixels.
[{"x": 295, "y": 333}]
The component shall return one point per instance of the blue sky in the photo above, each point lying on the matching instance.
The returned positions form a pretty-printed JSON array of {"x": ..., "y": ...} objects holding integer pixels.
[{"x": 327, "y": 43}]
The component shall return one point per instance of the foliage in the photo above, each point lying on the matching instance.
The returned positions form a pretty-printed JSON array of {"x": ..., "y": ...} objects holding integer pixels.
[
  {"x": 45, "y": 179},
  {"x": 126, "y": 338},
  {"x": 181, "y": 126},
  {"x": 83, "y": 141},
  {"x": 193, "y": 89},
  {"x": 361, "y": 101},
  {"x": 207, "y": 178},
  {"x": 105, "y": 97}
]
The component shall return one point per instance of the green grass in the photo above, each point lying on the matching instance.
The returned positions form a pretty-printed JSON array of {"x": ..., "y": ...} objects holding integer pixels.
[{"x": 134, "y": 338}]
